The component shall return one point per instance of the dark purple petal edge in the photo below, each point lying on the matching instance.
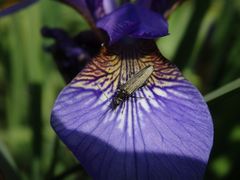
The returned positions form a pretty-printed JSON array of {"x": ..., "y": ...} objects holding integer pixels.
[{"x": 14, "y": 8}]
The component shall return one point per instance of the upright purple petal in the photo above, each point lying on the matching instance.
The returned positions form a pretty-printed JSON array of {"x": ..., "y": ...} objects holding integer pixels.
[
  {"x": 144, "y": 3},
  {"x": 135, "y": 21},
  {"x": 164, "y": 131},
  {"x": 8, "y": 7},
  {"x": 161, "y": 6},
  {"x": 152, "y": 25},
  {"x": 120, "y": 23},
  {"x": 92, "y": 10},
  {"x": 109, "y": 6}
]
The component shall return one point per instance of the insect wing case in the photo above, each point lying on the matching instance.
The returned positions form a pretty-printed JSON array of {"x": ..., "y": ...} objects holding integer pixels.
[{"x": 137, "y": 80}]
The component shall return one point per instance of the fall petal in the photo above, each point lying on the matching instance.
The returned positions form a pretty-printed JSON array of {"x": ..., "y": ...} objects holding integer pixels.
[{"x": 164, "y": 131}]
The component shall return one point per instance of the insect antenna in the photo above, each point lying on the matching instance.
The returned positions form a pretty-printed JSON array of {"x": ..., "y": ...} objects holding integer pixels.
[
  {"x": 102, "y": 91},
  {"x": 108, "y": 99}
]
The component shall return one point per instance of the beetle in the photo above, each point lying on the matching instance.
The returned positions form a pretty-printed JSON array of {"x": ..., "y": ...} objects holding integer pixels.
[{"x": 125, "y": 90}]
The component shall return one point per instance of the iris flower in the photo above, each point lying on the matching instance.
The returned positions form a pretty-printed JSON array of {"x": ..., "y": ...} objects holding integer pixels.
[{"x": 162, "y": 131}]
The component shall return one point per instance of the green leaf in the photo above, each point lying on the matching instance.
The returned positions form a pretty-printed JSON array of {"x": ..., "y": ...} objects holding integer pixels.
[
  {"x": 230, "y": 87},
  {"x": 8, "y": 169}
]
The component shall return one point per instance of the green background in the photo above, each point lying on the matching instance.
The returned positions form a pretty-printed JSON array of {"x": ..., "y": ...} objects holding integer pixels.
[{"x": 204, "y": 42}]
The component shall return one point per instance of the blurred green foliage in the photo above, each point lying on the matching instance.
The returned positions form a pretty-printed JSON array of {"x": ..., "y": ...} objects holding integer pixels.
[{"x": 204, "y": 43}]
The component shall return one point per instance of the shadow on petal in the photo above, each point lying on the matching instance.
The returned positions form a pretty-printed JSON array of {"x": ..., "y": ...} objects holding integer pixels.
[{"x": 103, "y": 162}]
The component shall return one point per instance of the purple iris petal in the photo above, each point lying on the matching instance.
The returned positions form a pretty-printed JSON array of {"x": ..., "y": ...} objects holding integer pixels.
[
  {"x": 163, "y": 132},
  {"x": 8, "y": 7},
  {"x": 92, "y": 10},
  {"x": 161, "y": 6},
  {"x": 152, "y": 25},
  {"x": 71, "y": 54},
  {"x": 109, "y": 6},
  {"x": 135, "y": 21},
  {"x": 120, "y": 23}
]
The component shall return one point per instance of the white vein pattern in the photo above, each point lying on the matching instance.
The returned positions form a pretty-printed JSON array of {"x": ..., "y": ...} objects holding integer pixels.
[{"x": 164, "y": 131}]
